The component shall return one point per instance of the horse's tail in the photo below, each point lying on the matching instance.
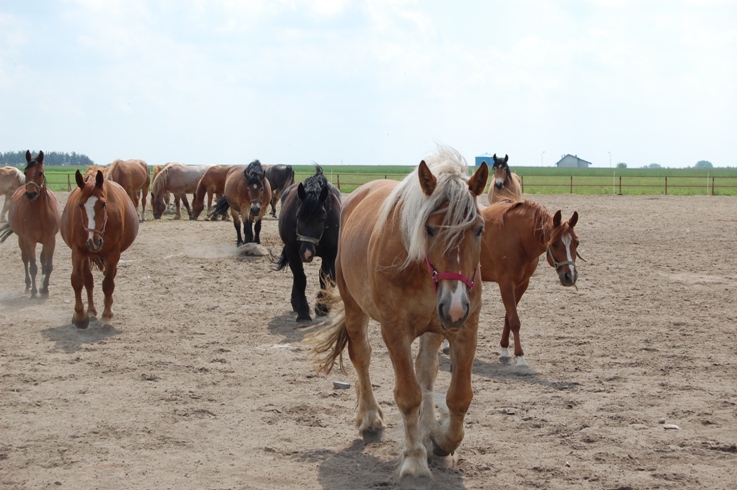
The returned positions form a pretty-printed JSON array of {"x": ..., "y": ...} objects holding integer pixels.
[
  {"x": 5, "y": 232},
  {"x": 97, "y": 263},
  {"x": 290, "y": 178},
  {"x": 329, "y": 342},
  {"x": 282, "y": 261},
  {"x": 220, "y": 208}
]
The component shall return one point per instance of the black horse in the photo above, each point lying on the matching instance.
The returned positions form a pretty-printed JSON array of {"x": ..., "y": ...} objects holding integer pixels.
[
  {"x": 280, "y": 177},
  {"x": 309, "y": 225}
]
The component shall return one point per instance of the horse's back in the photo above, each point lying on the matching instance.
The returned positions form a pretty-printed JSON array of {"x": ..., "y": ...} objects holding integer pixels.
[{"x": 10, "y": 179}]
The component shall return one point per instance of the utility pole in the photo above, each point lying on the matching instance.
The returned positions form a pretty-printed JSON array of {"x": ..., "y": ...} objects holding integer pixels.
[
  {"x": 541, "y": 158},
  {"x": 610, "y": 159}
]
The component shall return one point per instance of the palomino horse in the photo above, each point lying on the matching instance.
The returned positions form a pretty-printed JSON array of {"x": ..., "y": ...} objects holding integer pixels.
[
  {"x": 167, "y": 194},
  {"x": 309, "y": 224},
  {"x": 34, "y": 216},
  {"x": 10, "y": 179},
  {"x": 408, "y": 257},
  {"x": 180, "y": 180},
  {"x": 280, "y": 177},
  {"x": 516, "y": 234},
  {"x": 505, "y": 184},
  {"x": 211, "y": 183},
  {"x": 247, "y": 195},
  {"x": 99, "y": 222},
  {"x": 133, "y": 176}
]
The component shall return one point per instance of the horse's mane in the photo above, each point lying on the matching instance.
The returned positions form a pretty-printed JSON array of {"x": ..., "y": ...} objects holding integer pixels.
[
  {"x": 109, "y": 171},
  {"x": 415, "y": 208},
  {"x": 160, "y": 180},
  {"x": 313, "y": 186},
  {"x": 253, "y": 172},
  {"x": 31, "y": 164},
  {"x": 538, "y": 214}
]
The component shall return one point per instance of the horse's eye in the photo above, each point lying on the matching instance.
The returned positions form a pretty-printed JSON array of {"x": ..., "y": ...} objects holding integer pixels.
[
  {"x": 104, "y": 204},
  {"x": 430, "y": 230},
  {"x": 555, "y": 244},
  {"x": 480, "y": 230},
  {"x": 81, "y": 206}
]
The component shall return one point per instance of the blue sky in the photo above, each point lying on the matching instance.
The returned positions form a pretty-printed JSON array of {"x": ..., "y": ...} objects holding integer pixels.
[{"x": 371, "y": 82}]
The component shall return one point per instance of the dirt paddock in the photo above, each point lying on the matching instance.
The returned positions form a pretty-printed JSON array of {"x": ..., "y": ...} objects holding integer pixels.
[{"x": 203, "y": 383}]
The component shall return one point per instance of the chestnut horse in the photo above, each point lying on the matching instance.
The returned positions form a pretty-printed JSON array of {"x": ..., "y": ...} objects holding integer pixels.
[
  {"x": 309, "y": 224},
  {"x": 408, "y": 257},
  {"x": 133, "y": 176},
  {"x": 10, "y": 179},
  {"x": 280, "y": 177},
  {"x": 34, "y": 216},
  {"x": 180, "y": 180},
  {"x": 211, "y": 183},
  {"x": 98, "y": 223},
  {"x": 516, "y": 234},
  {"x": 247, "y": 195},
  {"x": 505, "y": 184}
]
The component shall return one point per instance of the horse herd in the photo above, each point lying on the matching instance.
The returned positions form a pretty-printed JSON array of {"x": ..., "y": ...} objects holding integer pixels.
[{"x": 408, "y": 254}]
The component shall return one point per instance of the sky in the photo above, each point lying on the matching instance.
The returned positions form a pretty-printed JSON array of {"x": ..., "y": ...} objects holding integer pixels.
[{"x": 361, "y": 82}]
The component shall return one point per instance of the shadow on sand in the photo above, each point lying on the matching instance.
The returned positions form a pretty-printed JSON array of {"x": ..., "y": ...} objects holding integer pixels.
[{"x": 70, "y": 339}]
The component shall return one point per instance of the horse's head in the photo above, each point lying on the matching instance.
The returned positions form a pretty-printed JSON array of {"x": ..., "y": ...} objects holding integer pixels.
[
  {"x": 312, "y": 214},
  {"x": 501, "y": 171},
  {"x": 561, "y": 250},
  {"x": 92, "y": 203},
  {"x": 453, "y": 234},
  {"x": 255, "y": 178},
  {"x": 34, "y": 173}
]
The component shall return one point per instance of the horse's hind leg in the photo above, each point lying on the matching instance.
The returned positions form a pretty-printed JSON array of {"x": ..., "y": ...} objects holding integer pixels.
[
  {"x": 47, "y": 264},
  {"x": 144, "y": 194}
]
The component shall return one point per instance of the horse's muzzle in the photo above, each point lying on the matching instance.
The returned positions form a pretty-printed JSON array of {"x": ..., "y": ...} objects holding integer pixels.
[
  {"x": 452, "y": 308},
  {"x": 568, "y": 277},
  {"x": 31, "y": 196},
  {"x": 94, "y": 245},
  {"x": 499, "y": 185},
  {"x": 255, "y": 210},
  {"x": 307, "y": 253}
]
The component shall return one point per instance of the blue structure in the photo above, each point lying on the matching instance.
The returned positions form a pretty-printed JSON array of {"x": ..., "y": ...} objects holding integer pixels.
[{"x": 489, "y": 159}]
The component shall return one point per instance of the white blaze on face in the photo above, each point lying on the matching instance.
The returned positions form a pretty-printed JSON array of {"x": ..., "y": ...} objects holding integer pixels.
[
  {"x": 89, "y": 208},
  {"x": 499, "y": 181},
  {"x": 567, "y": 240},
  {"x": 456, "y": 310}
]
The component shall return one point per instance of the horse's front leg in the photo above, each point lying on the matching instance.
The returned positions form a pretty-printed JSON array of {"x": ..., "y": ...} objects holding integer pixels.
[
  {"x": 47, "y": 264},
  {"x": 25, "y": 255},
  {"x": 248, "y": 229},
  {"x": 448, "y": 433},
  {"x": 299, "y": 284},
  {"x": 108, "y": 287},
  {"x": 408, "y": 397},
  {"x": 426, "y": 367},
  {"x": 237, "y": 224},
  {"x": 79, "y": 318},
  {"x": 257, "y": 231},
  {"x": 89, "y": 286},
  {"x": 185, "y": 201}
]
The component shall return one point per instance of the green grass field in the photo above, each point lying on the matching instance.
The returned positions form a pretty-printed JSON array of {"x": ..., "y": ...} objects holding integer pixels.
[{"x": 536, "y": 180}]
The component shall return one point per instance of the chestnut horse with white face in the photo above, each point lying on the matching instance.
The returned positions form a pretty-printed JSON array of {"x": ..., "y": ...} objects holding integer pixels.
[
  {"x": 99, "y": 223},
  {"x": 516, "y": 235},
  {"x": 408, "y": 257},
  {"x": 10, "y": 179},
  {"x": 33, "y": 215}
]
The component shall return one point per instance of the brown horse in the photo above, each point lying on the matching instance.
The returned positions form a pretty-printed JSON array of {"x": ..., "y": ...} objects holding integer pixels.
[
  {"x": 505, "y": 184},
  {"x": 280, "y": 177},
  {"x": 408, "y": 256},
  {"x": 247, "y": 195},
  {"x": 99, "y": 222},
  {"x": 180, "y": 180},
  {"x": 34, "y": 216},
  {"x": 516, "y": 234},
  {"x": 133, "y": 176},
  {"x": 10, "y": 179},
  {"x": 211, "y": 183}
]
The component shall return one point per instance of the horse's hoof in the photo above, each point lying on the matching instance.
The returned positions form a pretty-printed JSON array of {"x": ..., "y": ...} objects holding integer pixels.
[
  {"x": 83, "y": 324},
  {"x": 107, "y": 322},
  {"x": 415, "y": 482},
  {"x": 321, "y": 310}
]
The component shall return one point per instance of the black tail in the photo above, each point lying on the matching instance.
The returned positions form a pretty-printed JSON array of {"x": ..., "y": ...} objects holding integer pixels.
[
  {"x": 282, "y": 261},
  {"x": 220, "y": 209},
  {"x": 5, "y": 232},
  {"x": 290, "y": 177}
]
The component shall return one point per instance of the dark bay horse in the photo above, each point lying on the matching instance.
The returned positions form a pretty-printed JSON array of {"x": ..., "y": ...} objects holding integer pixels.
[
  {"x": 280, "y": 177},
  {"x": 516, "y": 234},
  {"x": 180, "y": 180},
  {"x": 505, "y": 184},
  {"x": 99, "y": 222},
  {"x": 211, "y": 183},
  {"x": 133, "y": 176},
  {"x": 309, "y": 224},
  {"x": 247, "y": 195},
  {"x": 408, "y": 257},
  {"x": 10, "y": 179},
  {"x": 34, "y": 216}
]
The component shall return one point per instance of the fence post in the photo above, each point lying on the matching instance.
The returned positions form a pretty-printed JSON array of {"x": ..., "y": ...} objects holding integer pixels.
[
  {"x": 712, "y": 186},
  {"x": 666, "y": 185},
  {"x": 620, "y": 185},
  {"x": 338, "y": 181},
  {"x": 571, "y": 184},
  {"x": 69, "y": 184},
  {"x": 522, "y": 183}
]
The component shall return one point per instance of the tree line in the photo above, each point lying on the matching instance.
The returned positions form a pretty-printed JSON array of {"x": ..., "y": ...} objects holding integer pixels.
[{"x": 73, "y": 159}]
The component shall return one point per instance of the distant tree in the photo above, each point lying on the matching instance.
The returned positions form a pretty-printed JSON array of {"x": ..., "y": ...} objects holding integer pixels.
[
  {"x": 653, "y": 165},
  {"x": 18, "y": 158},
  {"x": 621, "y": 165},
  {"x": 703, "y": 164}
]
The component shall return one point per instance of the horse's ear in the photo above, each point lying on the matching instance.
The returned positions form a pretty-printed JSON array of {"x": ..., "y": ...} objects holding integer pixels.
[
  {"x": 301, "y": 191},
  {"x": 99, "y": 179},
  {"x": 40, "y": 157},
  {"x": 506, "y": 158},
  {"x": 477, "y": 183},
  {"x": 80, "y": 180},
  {"x": 427, "y": 179},
  {"x": 574, "y": 219},
  {"x": 324, "y": 194},
  {"x": 28, "y": 156},
  {"x": 556, "y": 219}
]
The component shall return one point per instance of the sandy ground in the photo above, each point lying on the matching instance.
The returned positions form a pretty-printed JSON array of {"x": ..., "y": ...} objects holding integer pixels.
[{"x": 203, "y": 383}]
